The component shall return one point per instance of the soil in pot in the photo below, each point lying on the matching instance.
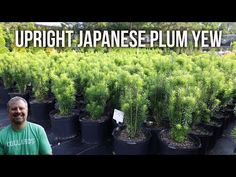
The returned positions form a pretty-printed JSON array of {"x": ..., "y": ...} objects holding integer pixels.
[
  {"x": 169, "y": 146},
  {"x": 124, "y": 145}
]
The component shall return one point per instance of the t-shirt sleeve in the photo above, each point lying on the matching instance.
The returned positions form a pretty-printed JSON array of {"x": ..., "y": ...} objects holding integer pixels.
[
  {"x": 44, "y": 145},
  {"x": 1, "y": 149}
]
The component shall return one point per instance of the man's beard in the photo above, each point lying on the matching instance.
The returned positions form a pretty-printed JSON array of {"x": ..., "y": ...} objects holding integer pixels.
[{"x": 18, "y": 120}]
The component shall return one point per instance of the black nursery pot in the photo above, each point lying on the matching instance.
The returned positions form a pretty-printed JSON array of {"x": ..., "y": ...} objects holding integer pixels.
[
  {"x": 123, "y": 147},
  {"x": 230, "y": 105},
  {"x": 114, "y": 124},
  {"x": 64, "y": 127},
  {"x": 4, "y": 98},
  {"x": 217, "y": 132},
  {"x": 154, "y": 147},
  {"x": 234, "y": 98},
  {"x": 205, "y": 140},
  {"x": 95, "y": 131},
  {"x": 224, "y": 119},
  {"x": 229, "y": 112},
  {"x": 40, "y": 112},
  {"x": 168, "y": 149},
  {"x": 217, "y": 128},
  {"x": 166, "y": 122}
]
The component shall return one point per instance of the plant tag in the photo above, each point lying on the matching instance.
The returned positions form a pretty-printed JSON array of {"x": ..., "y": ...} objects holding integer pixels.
[{"x": 118, "y": 116}]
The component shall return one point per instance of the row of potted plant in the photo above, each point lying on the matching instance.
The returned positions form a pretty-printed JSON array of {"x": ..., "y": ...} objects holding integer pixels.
[{"x": 179, "y": 89}]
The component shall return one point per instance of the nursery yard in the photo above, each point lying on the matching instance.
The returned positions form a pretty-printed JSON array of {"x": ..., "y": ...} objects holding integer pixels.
[
  {"x": 224, "y": 145},
  {"x": 169, "y": 100}
]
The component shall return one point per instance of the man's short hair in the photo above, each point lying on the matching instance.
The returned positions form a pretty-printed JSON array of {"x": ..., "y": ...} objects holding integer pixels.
[{"x": 15, "y": 99}]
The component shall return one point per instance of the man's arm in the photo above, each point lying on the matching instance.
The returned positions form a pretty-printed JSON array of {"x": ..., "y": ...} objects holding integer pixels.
[
  {"x": 1, "y": 144},
  {"x": 44, "y": 145},
  {"x": 1, "y": 150},
  {"x": 1, "y": 147}
]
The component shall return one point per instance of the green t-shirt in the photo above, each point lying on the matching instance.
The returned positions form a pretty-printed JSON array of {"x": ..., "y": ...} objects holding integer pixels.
[{"x": 31, "y": 140}]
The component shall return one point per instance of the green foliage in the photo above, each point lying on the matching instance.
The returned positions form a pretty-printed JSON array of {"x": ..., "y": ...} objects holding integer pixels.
[
  {"x": 180, "y": 106},
  {"x": 182, "y": 102},
  {"x": 233, "y": 133},
  {"x": 64, "y": 90},
  {"x": 184, "y": 88},
  {"x": 3, "y": 48},
  {"x": 233, "y": 46},
  {"x": 15, "y": 68},
  {"x": 133, "y": 102},
  {"x": 7, "y": 70},
  {"x": 40, "y": 76},
  {"x": 212, "y": 84},
  {"x": 21, "y": 70},
  {"x": 96, "y": 96},
  {"x": 179, "y": 132},
  {"x": 158, "y": 96},
  {"x": 180, "y": 109}
]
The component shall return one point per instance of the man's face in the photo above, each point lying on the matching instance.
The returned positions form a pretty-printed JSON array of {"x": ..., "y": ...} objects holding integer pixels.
[{"x": 18, "y": 112}]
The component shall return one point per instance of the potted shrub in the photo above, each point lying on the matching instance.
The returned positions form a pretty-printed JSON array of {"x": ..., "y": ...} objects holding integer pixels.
[
  {"x": 3, "y": 90},
  {"x": 94, "y": 81},
  {"x": 233, "y": 134},
  {"x": 130, "y": 139},
  {"x": 41, "y": 103},
  {"x": 225, "y": 95},
  {"x": 158, "y": 99},
  {"x": 7, "y": 80},
  {"x": 211, "y": 82},
  {"x": 95, "y": 125},
  {"x": 181, "y": 105},
  {"x": 197, "y": 129},
  {"x": 64, "y": 121},
  {"x": 19, "y": 71},
  {"x": 3, "y": 50}
]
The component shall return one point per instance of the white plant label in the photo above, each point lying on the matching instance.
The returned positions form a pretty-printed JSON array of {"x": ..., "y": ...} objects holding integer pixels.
[{"x": 118, "y": 116}]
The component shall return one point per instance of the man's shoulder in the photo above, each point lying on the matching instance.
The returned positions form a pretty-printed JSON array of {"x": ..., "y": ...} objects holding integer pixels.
[
  {"x": 5, "y": 129},
  {"x": 35, "y": 126}
]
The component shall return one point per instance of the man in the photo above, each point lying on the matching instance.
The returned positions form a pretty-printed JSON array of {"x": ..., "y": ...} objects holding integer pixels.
[{"x": 22, "y": 137}]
